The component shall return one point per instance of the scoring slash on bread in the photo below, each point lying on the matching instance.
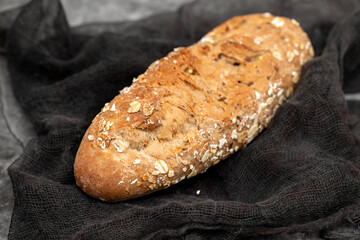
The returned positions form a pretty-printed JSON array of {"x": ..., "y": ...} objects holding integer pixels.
[{"x": 192, "y": 108}]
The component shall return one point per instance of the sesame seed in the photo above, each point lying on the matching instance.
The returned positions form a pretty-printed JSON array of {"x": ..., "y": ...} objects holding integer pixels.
[
  {"x": 171, "y": 173},
  {"x": 198, "y": 192},
  {"x": 161, "y": 166},
  {"x": 125, "y": 90},
  {"x": 234, "y": 134},
  {"x": 207, "y": 39},
  {"x": 222, "y": 142},
  {"x": 267, "y": 14},
  {"x": 258, "y": 40},
  {"x": 295, "y": 22},
  {"x": 277, "y": 22},
  {"x": 253, "y": 131},
  {"x": 137, "y": 161},
  {"x": 290, "y": 56},
  {"x": 280, "y": 92},
  {"x": 270, "y": 100},
  {"x": 277, "y": 55},
  {"x": 134, "y": 181},
  {"x": 105, "y": 108},
  {"x": 112, "y": 108},
  {"x": 206, "y": 156},
  {"x": 120, "y": 144},
  {"x": 134, "y": 107}
]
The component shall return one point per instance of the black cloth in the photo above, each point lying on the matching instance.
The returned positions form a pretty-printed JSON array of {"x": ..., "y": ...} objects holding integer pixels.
[{"x": 301, "y": 174}]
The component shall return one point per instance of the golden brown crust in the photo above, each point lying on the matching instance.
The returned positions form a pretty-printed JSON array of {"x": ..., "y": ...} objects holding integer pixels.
[{"x": 193, "y": 108}]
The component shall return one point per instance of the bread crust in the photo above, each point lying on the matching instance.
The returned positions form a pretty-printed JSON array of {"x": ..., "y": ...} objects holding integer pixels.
[{"x": 192, "y": 108}]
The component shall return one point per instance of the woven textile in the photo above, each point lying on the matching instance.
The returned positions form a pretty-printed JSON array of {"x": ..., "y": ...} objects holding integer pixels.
[{"x": 301, "y": 174}]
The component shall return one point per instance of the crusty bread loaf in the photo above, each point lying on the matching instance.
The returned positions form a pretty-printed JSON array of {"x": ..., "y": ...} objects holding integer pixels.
[{"x": 192, "y": 108}]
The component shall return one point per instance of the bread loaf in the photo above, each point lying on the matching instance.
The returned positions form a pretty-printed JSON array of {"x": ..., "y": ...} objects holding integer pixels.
[{"x": 192, "y": 108}]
